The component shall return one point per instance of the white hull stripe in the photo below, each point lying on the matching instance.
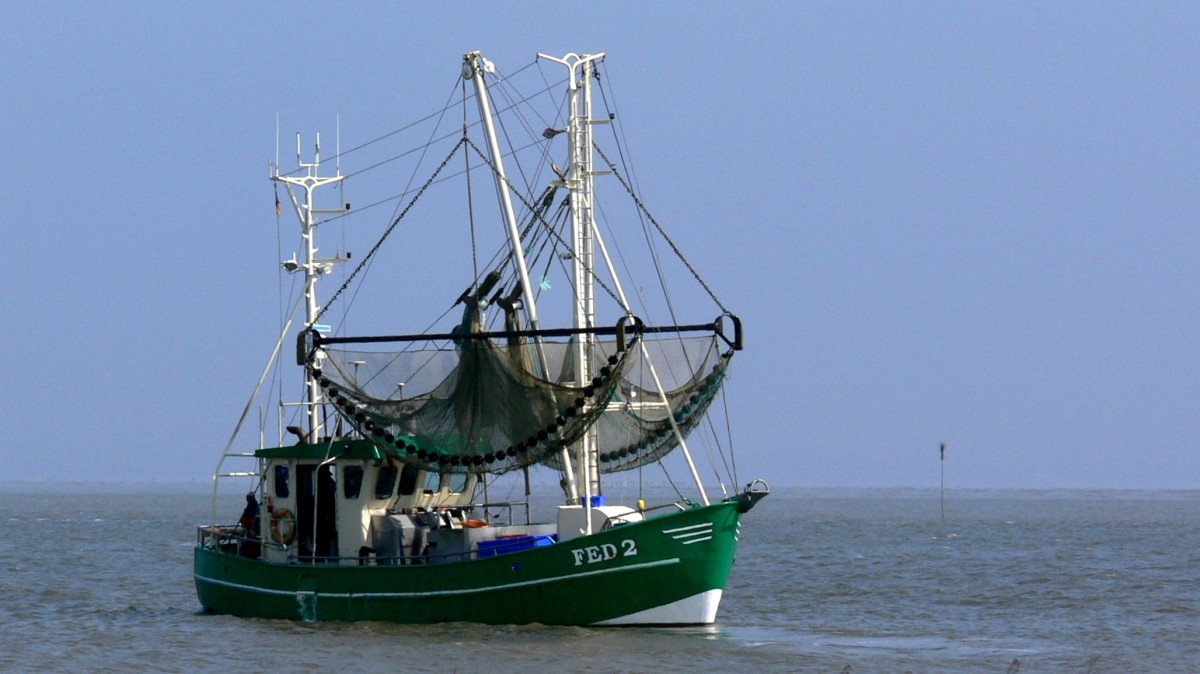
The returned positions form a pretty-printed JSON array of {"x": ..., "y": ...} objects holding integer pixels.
[
  {"x": 702, "y": 525},
  {"x": 435, "y": 593},
  {"x": 697, "y": 533}
]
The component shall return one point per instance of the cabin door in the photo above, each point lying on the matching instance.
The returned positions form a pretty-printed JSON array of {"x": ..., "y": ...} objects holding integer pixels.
[{"x": 316, "y": 519}]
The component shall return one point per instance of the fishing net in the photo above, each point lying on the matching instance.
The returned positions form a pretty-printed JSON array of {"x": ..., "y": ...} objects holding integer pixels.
[
  {"x": 635, "y": 428},
  {"x": 471, "y": 404}
]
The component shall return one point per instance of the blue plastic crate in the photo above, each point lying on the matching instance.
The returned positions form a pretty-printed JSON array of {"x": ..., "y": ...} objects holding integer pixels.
[{"x": 503, "y": 546}]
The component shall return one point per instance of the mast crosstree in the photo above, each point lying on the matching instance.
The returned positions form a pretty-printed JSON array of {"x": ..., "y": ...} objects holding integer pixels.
[{"x": 313, "y": 267}]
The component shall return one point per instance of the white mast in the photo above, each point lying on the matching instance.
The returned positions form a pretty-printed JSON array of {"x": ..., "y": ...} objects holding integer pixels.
[
  {"x": 312, "y": 266},
  {"x": 579, "y": 185},
  {"x": 474, "y": 66}
]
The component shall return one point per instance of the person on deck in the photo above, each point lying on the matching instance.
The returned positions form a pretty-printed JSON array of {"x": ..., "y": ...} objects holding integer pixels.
[{"x": 249, "y": 520}]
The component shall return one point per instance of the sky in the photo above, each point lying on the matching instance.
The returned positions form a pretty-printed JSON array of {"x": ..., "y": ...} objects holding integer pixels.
[{"x": 961, "y": 223}]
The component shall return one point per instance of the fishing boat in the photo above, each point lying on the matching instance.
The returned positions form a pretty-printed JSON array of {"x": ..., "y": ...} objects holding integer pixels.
[{"x": 399, "y": 480}]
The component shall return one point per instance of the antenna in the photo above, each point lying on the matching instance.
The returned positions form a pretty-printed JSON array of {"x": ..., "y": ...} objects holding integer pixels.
[{"x": 312, "y": 266}]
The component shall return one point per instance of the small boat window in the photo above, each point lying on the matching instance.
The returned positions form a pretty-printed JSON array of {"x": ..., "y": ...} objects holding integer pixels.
[
  {"x": 408, "y": 479},
  {"x": 281, "y": 482},
  {"x": 433, "y": 482},
  {"x": 458, "y": 482},
  {"x": 386, "y": 482},
  {"x": 352, "y": 478}
]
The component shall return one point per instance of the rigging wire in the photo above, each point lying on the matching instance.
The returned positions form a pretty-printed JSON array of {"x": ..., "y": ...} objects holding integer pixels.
[
  {"x": 276, "y": 375},
  {"x": 657, "y": 263},
  {"x": 618, "y": 133},
  {"x": 646, "y": 233},
  {"x": 432, "y": 115},
  {"x": 470, "y": 198},
  {"x": 512, "y": 105},
  {"x": 644, "y": 213},
  {"x": 448, "y": 176},
  {"x": 517, "y": 104},
  {"x": 525, "y": 201},
  {"x": 499, "y": 120},
  {"x": 619, "y": 140},
  {"x": 729, "y": 433},
  {"x": 667, "y": 474},
  {"x": 546, "y": 236},
  {"x": 560, "y": 218},
  {"x": 371, "y": 254},
  {"x": 412, "y": 177},
  {"x": 678, "y": 253}
]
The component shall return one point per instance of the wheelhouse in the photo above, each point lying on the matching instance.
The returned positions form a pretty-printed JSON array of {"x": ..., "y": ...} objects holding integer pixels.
[{"x": 337, "y": 501}]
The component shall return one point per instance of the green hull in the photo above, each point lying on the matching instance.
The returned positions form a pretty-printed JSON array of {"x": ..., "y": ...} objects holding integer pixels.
[{"x": 666, "y": 570}]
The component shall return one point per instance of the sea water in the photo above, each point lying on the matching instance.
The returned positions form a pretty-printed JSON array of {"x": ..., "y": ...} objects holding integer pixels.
[{"x": 99, "y": 578}]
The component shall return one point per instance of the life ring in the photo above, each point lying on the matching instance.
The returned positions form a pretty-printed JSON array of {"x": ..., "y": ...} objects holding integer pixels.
[
  {"x": 290, "y": 533},
  {"x": 474, "y": 524}
]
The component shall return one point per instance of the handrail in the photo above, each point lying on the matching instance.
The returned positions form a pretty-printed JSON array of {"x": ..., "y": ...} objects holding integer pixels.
[
  {"x": 211, "y": 537},
  {"x": 509, "y": 505}
]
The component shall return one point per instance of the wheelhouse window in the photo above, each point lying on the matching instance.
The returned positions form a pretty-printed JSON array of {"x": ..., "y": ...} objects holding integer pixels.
[
  {"x": 281, "y": 482},
  {"x": 433, "y": 482},
  {"x": 385, "y": 483},
  {"x": 352, "y": 479},
  {"x": 408, "y": 479},
  {"x": 458, "y": 482}
]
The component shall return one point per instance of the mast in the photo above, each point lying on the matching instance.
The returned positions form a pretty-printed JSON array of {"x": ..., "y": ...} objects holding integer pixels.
[
  {"x": 579, "y": 184},
  {"x": 312, "y": 266},
  {"x": 473, "y": 67}
]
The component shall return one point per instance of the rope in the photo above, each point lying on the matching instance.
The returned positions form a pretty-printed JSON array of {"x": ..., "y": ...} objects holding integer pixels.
[
  {"x": 391, "y": 227},
  {"x": 470, "y": 199},
  {"x": 530, "y": 207},
  {"x": 661, "y": 231},
  {"x": 426, "y": 118},
  {"x": 729, "y": 434}
]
